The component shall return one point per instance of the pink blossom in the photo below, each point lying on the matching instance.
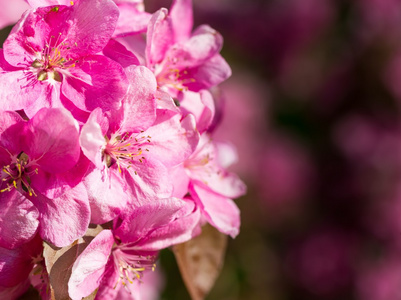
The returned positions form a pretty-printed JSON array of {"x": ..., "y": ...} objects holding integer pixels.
[
  {"x": 181, "y": 60},
  {"x": 50, "y": 60},
  {"x": 109, "y": 264},
  {"x": 37, "y": 187},
  {"x": 132, "y": 160},
  {"x": 211, "y": 186}
]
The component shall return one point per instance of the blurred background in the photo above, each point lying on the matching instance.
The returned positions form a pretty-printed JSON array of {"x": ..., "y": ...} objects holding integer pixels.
[{"x": 313, "y": 108}]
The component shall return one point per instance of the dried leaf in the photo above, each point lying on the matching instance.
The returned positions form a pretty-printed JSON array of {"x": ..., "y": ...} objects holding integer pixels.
[
  {"x": 200, "y": 261},
  {"x": 91, "y": 296},
  {"x": 59, "y": 262}
]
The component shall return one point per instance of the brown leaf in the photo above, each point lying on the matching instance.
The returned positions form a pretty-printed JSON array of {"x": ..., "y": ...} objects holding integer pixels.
[
  {"x": 59, "y": 262},
  {"x": 200, "y": 261},
  {"x": 91, "y": 296}
]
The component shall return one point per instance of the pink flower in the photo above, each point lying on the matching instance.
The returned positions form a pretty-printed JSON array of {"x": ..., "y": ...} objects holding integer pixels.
[
  {"x": 179, "y": 59},
  {"x": 211, "y": 186},
  {"x": 130, "y": 156},
  {"x": 109, "y": 264},
  {"x": 40, "y": 175},
  {"x": 50, "y": 60}
]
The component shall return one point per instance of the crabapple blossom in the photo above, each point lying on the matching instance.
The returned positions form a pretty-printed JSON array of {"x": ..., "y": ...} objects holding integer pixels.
[
  {"x": 105, "y": 152},
  {"x": 211, "y": 186},
  {"x": 130, "y": 156},
  {"x": 36, "y": 157},
  {"x": 118, "y": 257},
  {"x": 51, "y": 58}
]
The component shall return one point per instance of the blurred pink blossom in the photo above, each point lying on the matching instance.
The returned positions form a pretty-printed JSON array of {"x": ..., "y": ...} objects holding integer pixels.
[
  {"x": 11, "y": 11},
  {"x": 322, "y": 262},
  {"x": 381, "y": 280}
]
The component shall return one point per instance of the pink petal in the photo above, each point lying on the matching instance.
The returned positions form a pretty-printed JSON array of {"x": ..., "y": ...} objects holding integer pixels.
[
  {"x": 183, "y": 228},
  {"x": 26, "y": 38},
  {"x": 226, "y": 154},
  {"x": 172, "y": 139},
  {"x": 164, "y": 101},
  {"x": 64, "y": 219},
  {"x": 211, "y": 73},
  {"x": 107, "y": 196},
  {"x": 21, "y": 90},
  {"x": 223, "y": 183},
  {"x": 139, "y": 104},
  {"x": 201, "y": 105},
  {"x": 18, "y": 219},
  {"x": 219, "y": 211},
  {"x": 146, "y": 218},
  {"x": 53, "y": 140},
  {"x": 92, "y": 138},
  {"x": 131, "y": 20},
  {"x": 93, "y": 23},
  {"x": 11, "y": 11},
  {"x": 159, "y": 37},
  {"x": 151, "y": 181},
  {"x": 90, "y": 266},
  {"x": 204, "y": 168},
  {"x": 41, "y": 3},
  {"x": 203, "y": 45},
  {"x": 96, "y": 81},
  {"x": 117, "y": 52},
  {"x": 136, "y": 44},
  {"x": 54, "y": 185},
  {"x": 7, "y": 119},
  {"x": 181, "y": 181},
  {"x": 182, "y": 19}
]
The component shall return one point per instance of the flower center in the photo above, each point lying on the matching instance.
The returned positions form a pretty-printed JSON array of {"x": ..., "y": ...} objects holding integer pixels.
[
  {"x": 130, "y": 265},
  {"x": 172, "y": 78},
  {"x": 53, "y": 57},
  {"x": 126, "y": 149},
  {"x": 18, "y": 174}
]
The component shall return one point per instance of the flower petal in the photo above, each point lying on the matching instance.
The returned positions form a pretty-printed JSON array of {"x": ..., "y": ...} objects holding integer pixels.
[
  {"x": 172, "y": 139},
  {"x": 107, "y": 196},
  {"x": 155, "y": 225},
  {"x": 64, "y": 219},
  {"x": 53, "y": 140},
  {"x": 160, "y": 37},
  {"x": 221, "y": 212},
  {"x": 139, "y": 104},
  {"x": 182, "y": 19},
  {"x": 90, "y": 266},
  {"x": 95, "y": 81},
  {"x": 201, "y": 105},
  {"x": 18, "y": 219}
]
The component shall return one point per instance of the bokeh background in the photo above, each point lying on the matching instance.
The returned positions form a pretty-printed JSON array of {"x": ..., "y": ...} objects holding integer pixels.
[{"x": 313, "y": 108}]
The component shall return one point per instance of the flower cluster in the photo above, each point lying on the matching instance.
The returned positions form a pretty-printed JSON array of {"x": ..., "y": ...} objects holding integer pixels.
[{"x": 106, "y": 120}]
